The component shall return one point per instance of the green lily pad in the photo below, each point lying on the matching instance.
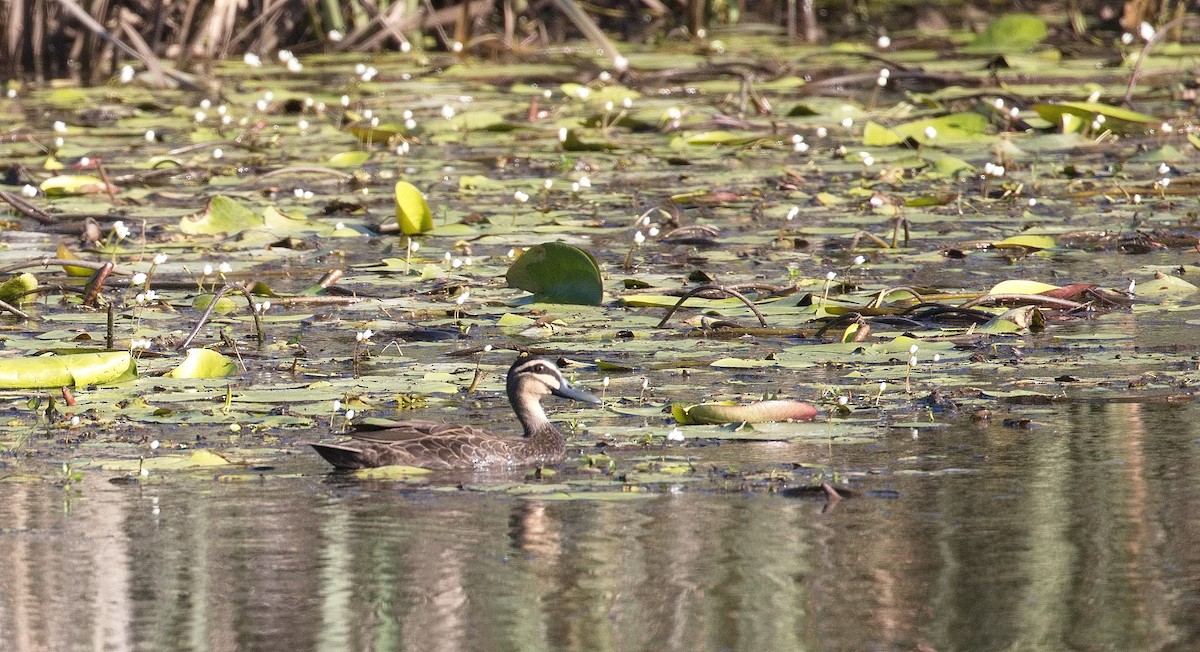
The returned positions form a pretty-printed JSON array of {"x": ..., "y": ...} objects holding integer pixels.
[
  {"x": 730, "y": 412},
  {"x": 1011, "y": 33},
  {"x": 222, "y": 215},
  {"x": 558, "y": 273},
  {"x": 69, "y": 370}
]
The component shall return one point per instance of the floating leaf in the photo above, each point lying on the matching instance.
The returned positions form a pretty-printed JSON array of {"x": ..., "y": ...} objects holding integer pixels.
[
  {"x": 1075, "y": 115},
  {"x": 392, "y": 472},
  {"x": 199, "y": 458},
  {"x": 412, "y": 211},
  {"x": 730, "y": 412},
  {"x": 1010, "y": 33},
  {"x": 349, "y": 159},
  {"x": 75, "y": 184},
  {"x": 17, "y": 288},
  {"x": 1021, "y": 287},
  {"x": 557, "y": 273},
  {"x": 203, "y": 363},
  {"x": 953, "y": 127},
  {"x": 222, "y": 215},
  {"x": 225, "y": 306},
  {"x": 64, "y": 253},
  {"x": 68, "y": 370},
  {"x": 1026, "y": 242},
  {"x": 1017, "y": 320},
  {"x": 1164, "y": 287}
]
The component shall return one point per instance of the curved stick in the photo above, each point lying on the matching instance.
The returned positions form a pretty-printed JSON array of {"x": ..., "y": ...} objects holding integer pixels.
[
  {"x": 708, "y": 288},
  {"x": 1137, "y": 67},
  {"x": 212, "y": 305}
]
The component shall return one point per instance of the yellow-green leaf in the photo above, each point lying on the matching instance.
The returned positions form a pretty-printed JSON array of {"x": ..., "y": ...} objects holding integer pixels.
[
  {"x": 412, "y": 211},
  {"x": 69, "y": 370},
  {"x": 203, "y": 363}
]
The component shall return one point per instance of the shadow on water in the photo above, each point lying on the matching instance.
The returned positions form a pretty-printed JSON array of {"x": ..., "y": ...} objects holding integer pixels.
[{"x": 1075, "y": 535}]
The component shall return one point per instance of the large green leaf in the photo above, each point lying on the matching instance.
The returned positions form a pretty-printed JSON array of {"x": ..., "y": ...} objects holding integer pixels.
[
  {"x": 557, "y": 273},
  {"x": 69, "y": 370},
  {"x": 947, "y": 128},
  {"x": 222, "y": 215},
  {"x": 1010, "y": 34},
  {"x": 412, "y": 211},
  {"x": 1074, "y": 116}
]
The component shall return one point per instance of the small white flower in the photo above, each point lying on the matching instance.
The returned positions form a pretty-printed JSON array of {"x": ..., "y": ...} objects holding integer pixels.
[
  {"x": 144, "y": 472},
  {"x": 337, "y": 405},
  {"x": 456, "y": 47},
  {"x": 562, "y": 134},
  {"x": 59, "y": 127},
  {"x": 858, "y": 260},
  {"x": 998, "y": 103},
  {"x": 605, "y": 382},
  {"x": 154, "y": 445},
  {"x": 620, "y": 63},
  {"x": 120, "y": 229},
  {"x": 151, "y": 295},
  {"x": 822, "y": 132},
  {"x": 294, "y": 65},
  {"x": 638, "y": 238},
  {"x": 1137, "y": 198},
  {"x": 1146, "y": 31},
  {"x": 139, "y": 278},
  {"x": 1127, "y": 38},
  {"x": 882, "y": 386},
  {"x": 414, "y": 246},
  {"x": 521, "y": 197},
  {"x": 883, "y": 42},
  {"x": 916, "y": 434},
  {"x": 252, "y": 60},
  {"x": 206, "y": 104},
  {"x": 792, "y": 213},
  {"x": 218, "y": 152},
  {"x": 29, "y": 191},
  {"x": 1032, "y": 202},
  {"x": 885, "y": 73},
  {"x": 675, "y": 435},
  {"x": 335, "y": 35},
  {"x": 208, "y": 270},
  {"x": 868, "y": 161},
  {"x": 199, "y": 116},
  {"x": 447, "y": 111},
  {"x": 609, "y": 106},
  {"x": 456, "y": 263},
  {"x": 843, "y": 400},
  {"x": 462, "y": 297},
  {"x": 285, "y": 56},
  {"x": 937, "y": 357},
  {"x": 585, "y": 182},
  {"x": 1167, "y": 128},
  {"x": 829, "y": 276},
  {"x": 345, "y": 100},
  {"x": 847, "y": 122},
  {"x": 912, "y": 361},
  {"x": 652, "y": 231},
  {"x": 1163, "y": 168},
  {"x": 1164, "y": 182},
  {"x": 930, "y": 132},
  {"x": 224, "y": 268},
  {"x": 1132, "y": 285},
  {"x": 126, "y": 74},
  {"x": 150, "y": 136},
  {"x": 350, "y": 414}
]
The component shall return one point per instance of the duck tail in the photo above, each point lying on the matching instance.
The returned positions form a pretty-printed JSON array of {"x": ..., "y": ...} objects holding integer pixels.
[{"x": 342, "y": 457}]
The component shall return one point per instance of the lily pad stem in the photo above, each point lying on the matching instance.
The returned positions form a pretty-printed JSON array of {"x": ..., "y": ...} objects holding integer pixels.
[
  {"x": 212, "y": 305},
  {"x": 708, "y": 288}
]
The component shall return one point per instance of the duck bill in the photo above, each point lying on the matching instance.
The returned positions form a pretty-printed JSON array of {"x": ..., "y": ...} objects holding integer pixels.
[{"x": 566, "y": 391}]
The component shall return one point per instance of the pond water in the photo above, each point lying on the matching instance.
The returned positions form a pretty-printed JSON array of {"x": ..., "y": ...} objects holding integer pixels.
[
  {"x": 1073, "y": 536},
  {"x": 1066, "y": 520}
]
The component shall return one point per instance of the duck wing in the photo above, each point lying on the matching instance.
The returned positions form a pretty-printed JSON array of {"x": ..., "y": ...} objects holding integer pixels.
[{"x": 411, "y": 429}]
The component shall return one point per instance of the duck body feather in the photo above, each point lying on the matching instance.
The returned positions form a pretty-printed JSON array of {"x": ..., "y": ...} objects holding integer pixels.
[{"x": 433, "y": 445}]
